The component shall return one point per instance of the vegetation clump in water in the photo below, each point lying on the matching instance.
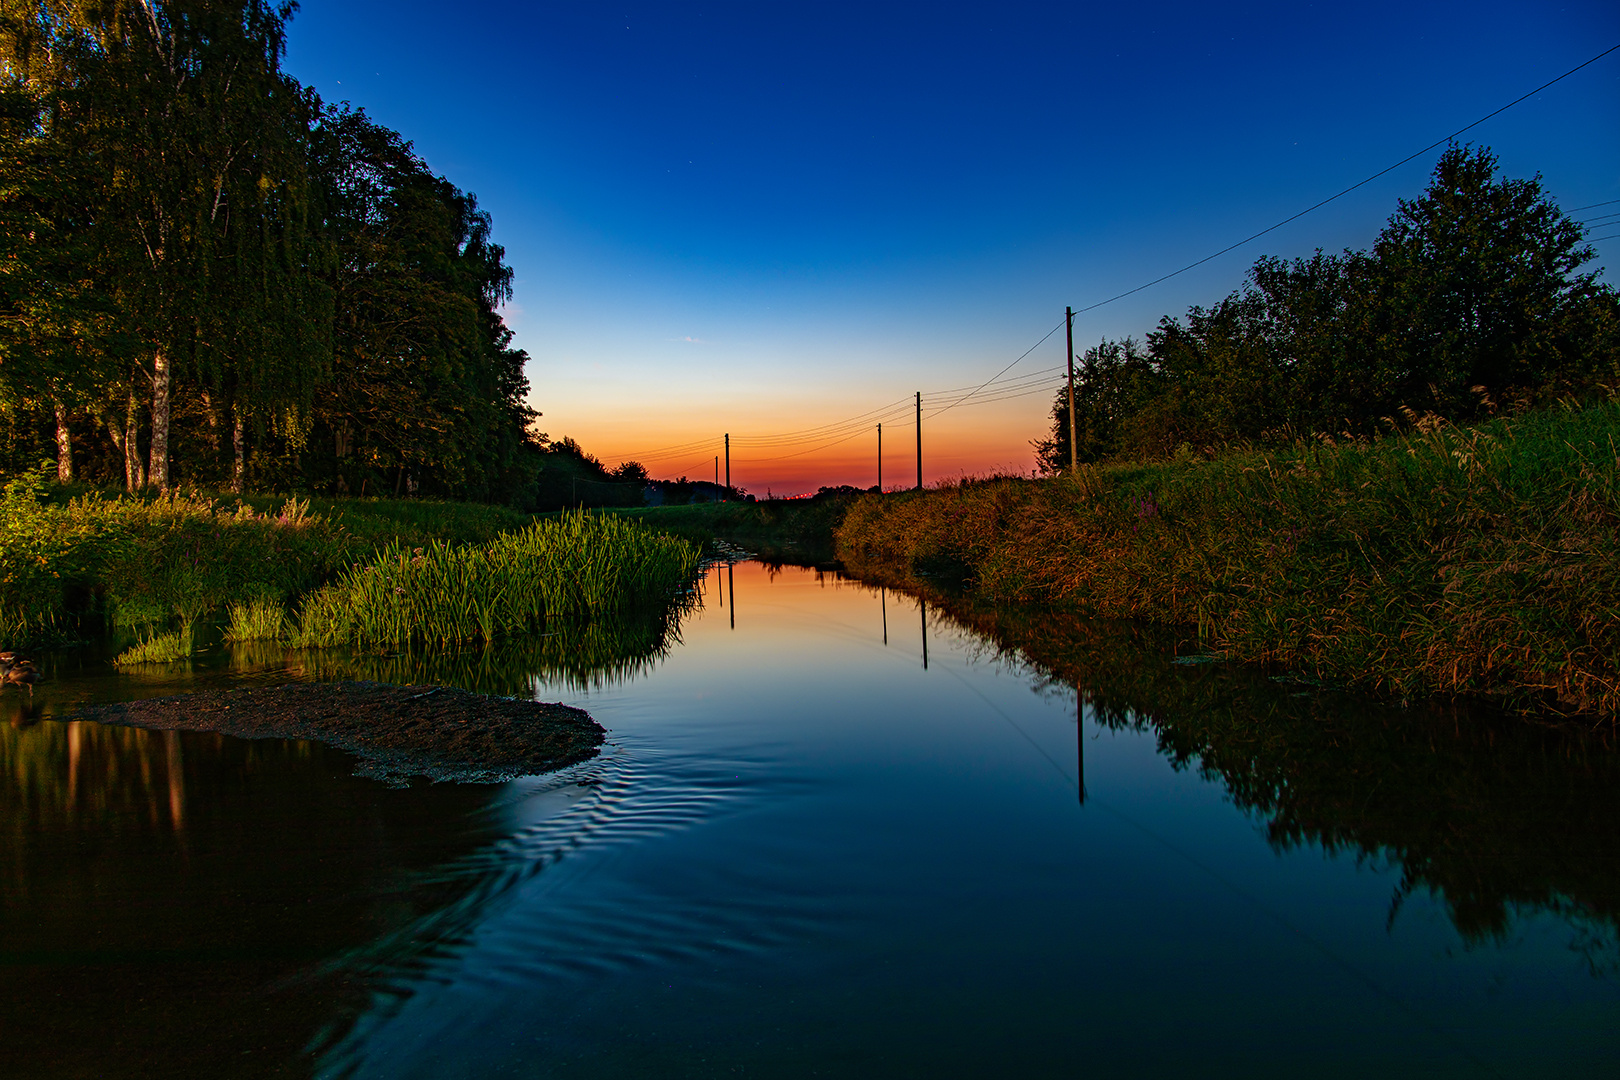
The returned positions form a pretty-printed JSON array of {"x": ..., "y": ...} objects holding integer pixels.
[{"x": 574, "y": 567}]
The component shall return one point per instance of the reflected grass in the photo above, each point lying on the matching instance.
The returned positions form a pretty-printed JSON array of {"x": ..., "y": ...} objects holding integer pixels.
[{"x": 1493, "y": 816}]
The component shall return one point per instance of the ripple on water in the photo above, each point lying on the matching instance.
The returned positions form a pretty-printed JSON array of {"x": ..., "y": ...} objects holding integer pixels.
[{"x": 515, "y": 905}]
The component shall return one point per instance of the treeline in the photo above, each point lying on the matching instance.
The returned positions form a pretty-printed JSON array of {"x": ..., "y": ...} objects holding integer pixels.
[
  {"x": 1473, "y": 298},
  {"x": 210, "y": 276}
]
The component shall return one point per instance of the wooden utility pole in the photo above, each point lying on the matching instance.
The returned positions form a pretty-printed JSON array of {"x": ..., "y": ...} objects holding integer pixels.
[
  {"x": 1074, "y": 451},
  {"x": 728, "y": 466},
  {"x": 919, "y": 440},
  {"x": 880, "y": 459},
  {"x": 717, "y": 470}
]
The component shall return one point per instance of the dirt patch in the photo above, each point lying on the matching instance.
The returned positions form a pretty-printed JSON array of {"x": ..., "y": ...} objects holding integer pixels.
[{"x": 396, "y": 731}]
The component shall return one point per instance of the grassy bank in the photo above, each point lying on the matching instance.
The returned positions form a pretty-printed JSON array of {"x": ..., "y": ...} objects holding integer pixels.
[
  {"x": 73, "y": 563},
  {"x": 1470, "y": 561}
]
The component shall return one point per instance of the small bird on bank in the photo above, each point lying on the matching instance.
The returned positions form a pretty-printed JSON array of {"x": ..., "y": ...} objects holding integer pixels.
[{"x": 18, "y": 672}]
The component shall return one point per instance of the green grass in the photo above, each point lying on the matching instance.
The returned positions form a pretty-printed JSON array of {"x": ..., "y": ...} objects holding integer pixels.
[
  {"x": 800, "y": 527},
  {"x": 73, "y": 560},
  {"x": 160, "y": 649},
  {"x": 259, "y": 619},
  {"x": 1446, "y": 560},
  {"x": 577, "y": 566}
]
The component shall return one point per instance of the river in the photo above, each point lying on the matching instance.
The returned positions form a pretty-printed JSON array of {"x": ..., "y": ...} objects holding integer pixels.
[{"x": 835, "y": 831}]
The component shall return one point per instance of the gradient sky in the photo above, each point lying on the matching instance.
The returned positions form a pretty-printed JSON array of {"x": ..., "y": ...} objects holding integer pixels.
[{"x": 764, "y": 218}]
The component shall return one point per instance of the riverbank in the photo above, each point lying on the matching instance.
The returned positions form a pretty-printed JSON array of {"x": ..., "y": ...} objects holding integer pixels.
[
  {"x": 1477, "y": 561},
  {"x": 157, "y": 571}
]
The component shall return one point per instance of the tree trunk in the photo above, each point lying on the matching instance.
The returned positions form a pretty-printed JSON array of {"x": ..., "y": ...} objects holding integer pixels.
[
  {"x": 158, "y": 471},
  {"x": 239, "y": 442},
  {"x": 64, "y": 445},
  {"x": 213, "y": 421},
  {"x": 115, "y": 428},
  {"x": 134, "y": 475}
]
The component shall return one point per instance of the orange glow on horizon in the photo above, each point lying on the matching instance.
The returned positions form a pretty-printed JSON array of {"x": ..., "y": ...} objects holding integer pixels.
[{"x": 767, "y": 457}]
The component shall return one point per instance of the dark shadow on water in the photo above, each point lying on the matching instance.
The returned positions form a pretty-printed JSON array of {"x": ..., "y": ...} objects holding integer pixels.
[
  {"x": 1492, "y": 814},
  {"x": 171, "y": 900},
  {"x": 184, "y": 904}
]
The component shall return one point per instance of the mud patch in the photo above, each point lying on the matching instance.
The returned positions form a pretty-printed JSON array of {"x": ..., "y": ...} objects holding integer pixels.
[{"x": 396, "y": 731}]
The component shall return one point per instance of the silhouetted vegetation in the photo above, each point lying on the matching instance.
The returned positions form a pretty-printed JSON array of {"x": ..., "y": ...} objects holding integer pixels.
[
  {"x": 1473, "y": 297},
  {"x": 1490, "y": 814}
]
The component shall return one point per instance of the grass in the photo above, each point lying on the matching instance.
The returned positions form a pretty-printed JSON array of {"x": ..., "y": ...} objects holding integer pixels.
[
  {"x": 576, "y": 567},
  {"x": 259, "y": 619},
  {"x": 159, "y": 649},
  {"x": 1441, "y": 561},
  {"x": 72, "y": 560}
]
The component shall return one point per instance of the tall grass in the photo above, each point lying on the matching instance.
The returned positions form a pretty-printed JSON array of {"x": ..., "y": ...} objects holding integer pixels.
[
  {"x": 577, "y": 566},
  {"x": 1444, "y": 560},
  {"x": 72, "y": 560},
  {"x": 158, "y": 649}
]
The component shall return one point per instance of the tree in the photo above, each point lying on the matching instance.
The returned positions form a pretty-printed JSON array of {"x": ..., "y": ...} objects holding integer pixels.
[
  {"x": 1478, "y": 280},
  {"x": 1473, "y": 291}
]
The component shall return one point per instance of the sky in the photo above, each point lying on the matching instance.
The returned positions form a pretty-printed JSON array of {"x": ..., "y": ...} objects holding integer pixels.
[{"x": 782, "y": 221}]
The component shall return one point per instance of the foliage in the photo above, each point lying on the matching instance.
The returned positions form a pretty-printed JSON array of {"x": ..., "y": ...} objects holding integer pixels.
[
  {"x": 1479, "y": 560},
  {"x": 197, "y": 252},
  {"x": 1472, "y": 294},
  {"x": 574, "y": 567},
  {"x": 141, "y": 562},
  {"x": 262, "y": 618},
  {"x": 159, "y": 649}
]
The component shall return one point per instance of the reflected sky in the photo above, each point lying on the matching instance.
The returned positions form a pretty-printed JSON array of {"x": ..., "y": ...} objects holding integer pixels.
[
  {"x": 836, "y": 829},
  {"x": 812, "y": 852}
]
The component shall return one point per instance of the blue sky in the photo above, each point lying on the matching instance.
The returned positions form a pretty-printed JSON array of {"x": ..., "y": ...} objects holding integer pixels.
[{"x": 762, "y": 218}]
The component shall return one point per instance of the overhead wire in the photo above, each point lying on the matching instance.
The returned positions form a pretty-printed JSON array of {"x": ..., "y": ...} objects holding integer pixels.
[{"x": 837, "y": 428}]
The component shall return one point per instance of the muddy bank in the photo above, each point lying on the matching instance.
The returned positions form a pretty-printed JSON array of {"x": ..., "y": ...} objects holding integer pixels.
[{"x": 396, "y": 731}]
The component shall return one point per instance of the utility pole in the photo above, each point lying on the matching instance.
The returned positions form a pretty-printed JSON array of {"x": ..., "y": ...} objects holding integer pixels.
[
  {"x": 880, "y": 459},
  {"x": 1074, "y": 451},
  {"x": 728, "y": 466},
  {"x": 717, "y": 470},
  {"x": 919, "y": 440}
]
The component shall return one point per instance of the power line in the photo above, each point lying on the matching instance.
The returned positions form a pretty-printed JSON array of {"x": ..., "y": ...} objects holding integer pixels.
[
  {"x": 1358, "y": 184},
  {"x": 871, "y": 416},
  {"x": 1295, "y": 217}
]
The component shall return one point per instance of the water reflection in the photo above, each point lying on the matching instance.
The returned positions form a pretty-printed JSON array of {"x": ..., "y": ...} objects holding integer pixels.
[
  {"x": 793, "y": 813},
  {"x": 1495, "y": 815},
  {"x": 171, "y": 899}
]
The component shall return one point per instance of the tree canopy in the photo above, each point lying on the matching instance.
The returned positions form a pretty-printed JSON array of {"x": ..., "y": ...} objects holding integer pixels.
[
  {"x": 200, "y": 258},
  {"x": 1475, "y": 295}
]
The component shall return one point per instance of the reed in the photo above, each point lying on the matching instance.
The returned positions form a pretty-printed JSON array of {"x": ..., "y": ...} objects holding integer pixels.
[
  {"x": 1480, "y": 560},
  {"x": 577, "y": 566},
  {"x": 262, "y": 618},
  {"x": 158, "y": 649}
]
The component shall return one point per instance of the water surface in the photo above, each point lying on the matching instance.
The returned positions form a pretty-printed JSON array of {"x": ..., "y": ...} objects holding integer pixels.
[{"x": 835, "y": 831}]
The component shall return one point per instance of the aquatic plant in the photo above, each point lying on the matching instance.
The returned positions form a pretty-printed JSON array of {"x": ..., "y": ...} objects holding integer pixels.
[
  {"x": 263, "y": 618},
  {"x": 577, "y": 566},
  {"x": 158, "y": 649}
]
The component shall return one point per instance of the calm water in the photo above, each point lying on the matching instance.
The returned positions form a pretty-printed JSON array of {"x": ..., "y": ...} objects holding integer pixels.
[{"x": 833, "y": 833}]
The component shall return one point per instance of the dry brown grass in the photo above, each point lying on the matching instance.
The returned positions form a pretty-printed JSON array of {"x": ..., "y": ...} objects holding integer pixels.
[{"x": 1445, "y": 560}]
